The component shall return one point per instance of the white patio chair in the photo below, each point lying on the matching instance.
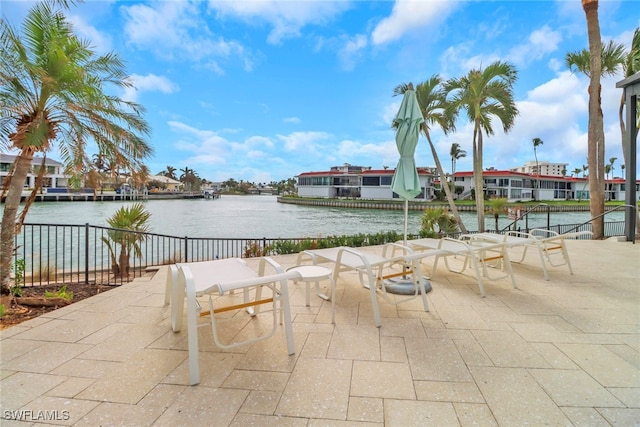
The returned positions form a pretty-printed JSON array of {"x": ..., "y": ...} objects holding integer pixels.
[
  {"x": 220, "y": 277},
  {"x": 551, "y": 246},
  {"x": 475, "y": 253},
  {"x": 373, "y": 269}
]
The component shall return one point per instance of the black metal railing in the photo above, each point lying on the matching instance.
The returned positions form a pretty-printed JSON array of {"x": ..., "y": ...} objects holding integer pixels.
[{"x": 66, "y": 253}]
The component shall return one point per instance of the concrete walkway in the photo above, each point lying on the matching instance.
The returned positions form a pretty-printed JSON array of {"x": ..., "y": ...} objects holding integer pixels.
[{"x": 558, "y": 352}]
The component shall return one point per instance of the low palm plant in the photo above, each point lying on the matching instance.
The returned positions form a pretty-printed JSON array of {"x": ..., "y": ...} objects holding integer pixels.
[
  {"x": 437, "y": 222},
  {"x": 129, "y": 223}
]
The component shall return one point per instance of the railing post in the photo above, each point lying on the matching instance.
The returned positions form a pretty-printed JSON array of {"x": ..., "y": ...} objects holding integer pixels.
[
  {"x": 86, "y": 253},
  {"x": 186, "y": 249},
  {"x": 548, "y": 216}
]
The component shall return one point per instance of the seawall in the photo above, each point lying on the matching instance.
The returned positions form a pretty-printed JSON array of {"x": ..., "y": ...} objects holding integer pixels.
[{"x": 413, "y": 205}]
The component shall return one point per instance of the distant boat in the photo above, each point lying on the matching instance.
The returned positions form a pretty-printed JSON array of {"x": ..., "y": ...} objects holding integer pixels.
[{"x": 210, "y": 193}]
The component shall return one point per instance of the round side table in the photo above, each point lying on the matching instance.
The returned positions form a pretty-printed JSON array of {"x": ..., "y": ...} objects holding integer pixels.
[{"x": 314, "y": 274}]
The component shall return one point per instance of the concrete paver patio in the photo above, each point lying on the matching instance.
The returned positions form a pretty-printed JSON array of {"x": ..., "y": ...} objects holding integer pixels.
[{"x": 559, "y": 352}]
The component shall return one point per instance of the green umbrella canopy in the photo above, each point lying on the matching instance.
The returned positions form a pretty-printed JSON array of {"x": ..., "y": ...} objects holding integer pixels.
[{"x": 406, "y": 182}]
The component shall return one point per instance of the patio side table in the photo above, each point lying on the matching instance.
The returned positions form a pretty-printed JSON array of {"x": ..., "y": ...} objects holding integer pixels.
[{"x": 314, "y": 274}]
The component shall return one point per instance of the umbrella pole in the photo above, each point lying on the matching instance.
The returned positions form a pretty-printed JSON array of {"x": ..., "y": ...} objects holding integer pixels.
[{"x": 406, "y": 219}]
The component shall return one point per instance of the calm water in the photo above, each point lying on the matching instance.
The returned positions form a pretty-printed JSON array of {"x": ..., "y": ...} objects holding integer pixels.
[{"x": 262, "y": 216}]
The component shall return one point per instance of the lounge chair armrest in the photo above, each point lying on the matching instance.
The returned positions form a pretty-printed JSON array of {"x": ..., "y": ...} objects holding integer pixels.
[
  {"x": 577, "y": 234},
  {"x": 518, "y": 234},
  {"x": 261, "y": 280},
  {"x": 540, "y": 233},
  {"x": 268, "y": 260},
  {"x": 396, "y": 246}
]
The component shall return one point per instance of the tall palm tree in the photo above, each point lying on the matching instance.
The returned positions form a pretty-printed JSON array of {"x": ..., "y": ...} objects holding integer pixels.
[
  {"x": 536, "y": 143},
  {"x": 52, "y": 90},
  {"x": 630, "y": 66},
  {"x": 170, "y": 172},
  {"x": 595, "y": 132},
  {"x": 456, "y": 153},
  {"x": 612, "y": 160},
  {"x": 576, "y": 172},
  {"x": 432, "y": 102},
  {"x": 484, "y": 94}
]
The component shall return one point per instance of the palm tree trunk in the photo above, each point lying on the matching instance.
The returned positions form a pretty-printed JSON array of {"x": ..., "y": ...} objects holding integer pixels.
[
  {"x": 623, "y": 130},
  {"x": 445, "y": 186},
  {"x": 596, "y": 126},
  {"x": 11, "y": 206},
  {"x": 477, "y": 175}
]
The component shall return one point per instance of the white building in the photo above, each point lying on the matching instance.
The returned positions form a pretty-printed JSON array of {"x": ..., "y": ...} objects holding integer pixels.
[
  {"x": 359, "y": 183},
  {"x": 543, "y": 168},
  {"x": 54, "y": 176},
  {"x": 518, "y": 186}
]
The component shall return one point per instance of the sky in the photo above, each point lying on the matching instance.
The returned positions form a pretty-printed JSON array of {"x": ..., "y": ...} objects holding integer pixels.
[{"x": 263, "y": 91}]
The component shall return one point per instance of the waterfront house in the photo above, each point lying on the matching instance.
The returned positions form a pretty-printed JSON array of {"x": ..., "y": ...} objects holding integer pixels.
[
  {"x": 54, "y": 176},
  {"x": 359, "y": 182},
  {"x": 166, "y": 183}
]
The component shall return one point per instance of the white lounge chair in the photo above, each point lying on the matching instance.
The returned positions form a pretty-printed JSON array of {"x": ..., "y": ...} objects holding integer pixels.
[
  {"x": 225, "y": 276},
  {"x": 550, "y": 245},
  {"x": 373, "y": 269},
  {"x": 474, "y": 253}
]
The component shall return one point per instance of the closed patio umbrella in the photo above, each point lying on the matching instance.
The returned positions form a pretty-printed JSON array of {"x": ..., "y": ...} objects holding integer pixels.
[
  {"x": 406, "y": 182},
  {"x": 407, "y": 123}
]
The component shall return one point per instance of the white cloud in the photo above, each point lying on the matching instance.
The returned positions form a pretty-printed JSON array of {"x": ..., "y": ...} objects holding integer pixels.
[
  {"x": 294, "y": 120},
  {"x": 307, "y": 141},
  {"x": 101, "y": 42},
  {"x": 459, "y": 59},
  {"x": 286, "y": 18},
  {"x": 369, "y": 154},
  {"x": 540, "y": 43},
  {"x": 174, "y": 30},
  {"x": 409, "y": 15},
  {"x": 148, "y": 83},
  {"x": 351, "y": 51}
]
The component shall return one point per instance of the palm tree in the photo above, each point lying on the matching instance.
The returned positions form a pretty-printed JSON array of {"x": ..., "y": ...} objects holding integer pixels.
[
  {"x": 432, "y": 102},
  {"x": 170, "y": 172},
  {"x": 576, "y": 171},
  {"x": 595, "y": 132},
  {"x": 537, "y": 142},
  {"x": 613, "y": 57},
  {"x": 52, "y": 90},
  {"x": 134, "y": 218},
  {"x": 612, "y": 160},
  {"x": 497, "y": 207},
  {"x": 456, "y": 153},
  {"x": 622, "y": 170},
  {"x": 630, "y": 66},
  {"x": 484, "y": 94},
  {"x": 596, "y": 62}
]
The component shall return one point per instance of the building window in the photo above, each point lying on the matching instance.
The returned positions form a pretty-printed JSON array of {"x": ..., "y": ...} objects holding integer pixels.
[
  {"x": 371, "y": 181},
  {"x": 385, "y": 180}
]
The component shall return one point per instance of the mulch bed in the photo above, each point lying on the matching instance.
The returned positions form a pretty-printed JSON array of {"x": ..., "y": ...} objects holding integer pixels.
[{"x": 17, "y": 314}]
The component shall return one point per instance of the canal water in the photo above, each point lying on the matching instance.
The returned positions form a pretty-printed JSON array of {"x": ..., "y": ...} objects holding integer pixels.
[{"x": 262, "y": 216}]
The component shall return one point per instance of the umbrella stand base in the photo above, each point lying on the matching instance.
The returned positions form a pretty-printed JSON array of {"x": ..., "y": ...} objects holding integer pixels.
[{"x": 404, "y": 286}]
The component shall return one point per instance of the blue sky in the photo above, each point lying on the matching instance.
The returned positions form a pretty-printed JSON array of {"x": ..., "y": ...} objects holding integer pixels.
[{"x": 265, "y": 90}]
